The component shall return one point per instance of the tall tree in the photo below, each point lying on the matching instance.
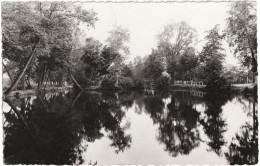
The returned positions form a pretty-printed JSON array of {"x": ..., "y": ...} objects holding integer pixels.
[
  {"x": 153, "y": 66},
  {"x": 173, "y": 41},
  {"x": 212, "y": 58},
  {"x": 188, "y": 62},
  {"x": 138, "y": 67},
  {"x": 242, "y": 32},
  {"x": 118, "y": 39},
  {"x": 36, "y": 28}
]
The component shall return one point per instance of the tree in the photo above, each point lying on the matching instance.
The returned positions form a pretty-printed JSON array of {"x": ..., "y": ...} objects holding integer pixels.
[
  {"x": 94, "y": 62},
  {"x": 188, "y": 62},
  {"x": 118, "y": 37},
  {"x": 34, "y": 29},
  {"x": 91, "y": 58},
  {"x": 242, "y": 33},
  {"x": 138, "y": 67},
  {"x": 173, "y": 41},
  {"x": 117, "y": 40},
  {"x": 109, "y": 57},
  {"x": 212, "y": 58},
  {"x": 153, "y": 67},
  {"x": 126, "y": 71}
]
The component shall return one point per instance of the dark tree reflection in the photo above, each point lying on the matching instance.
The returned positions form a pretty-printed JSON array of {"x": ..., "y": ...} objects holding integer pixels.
[
  {"x": 244, "y": 148},
  {"x": 99, "y": 111},
  {"x": 177, "y": 122},
  {"x": 52, "y": 129},
  {"x": 154, "y": 106},
  {"x": 214, "y": 125},
  {"x": 53, "y": 139},
  {"x": 49, "y": 129}
]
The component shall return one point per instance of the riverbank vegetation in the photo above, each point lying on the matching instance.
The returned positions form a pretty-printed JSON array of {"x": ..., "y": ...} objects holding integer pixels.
[{"x": 42, "y": 47}]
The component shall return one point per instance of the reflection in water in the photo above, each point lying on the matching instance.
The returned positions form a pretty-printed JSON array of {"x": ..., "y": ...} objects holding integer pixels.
[
  {"x": 177, "y": 124},
  {"x": 244, "y": 148},
  {"x": 213, "y": 123},
  {"x": 57, "y": 128}
]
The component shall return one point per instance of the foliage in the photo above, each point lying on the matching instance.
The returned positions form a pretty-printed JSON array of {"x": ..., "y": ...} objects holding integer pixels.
[
  {"x": 187, "y": 63},
  {"x": 138, "y": 83},
  {"x": 109, "y": 57},
  {"x": 81, "y": 78},
  {"x": 153, "y": 66},
  {"x": 138, "y": 67},
  {"x": 162, "y": 82},
  {"x": 242, "y": 32},
  {"x": 108, "y": 83},
  {"x": 117, "y": 41},
  {"x": 126, "y": 83},
  {"x": 53, "y": 23},
  {"x": 213, "y": 57},
  {"x": 175, "y": 40},
  {"x": 236, "y": 74},
  {"x": 94, "y": 62},
  {"x": 118, "y": 37},
  {"x": 126, "y": 72}
]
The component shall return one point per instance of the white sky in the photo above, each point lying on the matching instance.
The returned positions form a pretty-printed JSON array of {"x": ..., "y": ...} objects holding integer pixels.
[{"x": 145, "y": 20}]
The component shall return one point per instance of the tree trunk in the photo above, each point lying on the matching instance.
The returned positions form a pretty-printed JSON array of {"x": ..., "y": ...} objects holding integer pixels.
[
  {"x": 23, "y": 82},
  {"x": 254, "y": 64},
  {"x": 20, "y": 116},
  {"x": 75, "y": 80},
  {"x": 42, "y": 78},
  {"x": 7, "y": 72},
  {"x": 74, "y": 101},
  {"x": 22, "y": 71}
]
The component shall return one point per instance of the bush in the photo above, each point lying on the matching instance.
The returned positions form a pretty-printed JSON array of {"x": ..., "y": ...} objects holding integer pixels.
[
  {"x": 125, "y": 83},
  {"x": 162, "y": 82},
  {"x": 217, "y": 84},
  {"x": 108, "y": 83}
]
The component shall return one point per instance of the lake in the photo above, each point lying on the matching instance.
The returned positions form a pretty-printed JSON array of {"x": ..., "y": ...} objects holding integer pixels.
[{"x": 137, "y": 127}]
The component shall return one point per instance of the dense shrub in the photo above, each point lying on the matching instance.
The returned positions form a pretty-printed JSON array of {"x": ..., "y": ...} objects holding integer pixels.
[
  {"x": 217, "y": 84},
  {"x": 125, "y": 83},
  {"x": 162, "y": 82},
  {"x": 108, "y": 83}
]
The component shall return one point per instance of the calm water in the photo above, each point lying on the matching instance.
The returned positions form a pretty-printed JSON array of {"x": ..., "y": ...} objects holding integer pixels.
[{"x": 177, "y": 127}]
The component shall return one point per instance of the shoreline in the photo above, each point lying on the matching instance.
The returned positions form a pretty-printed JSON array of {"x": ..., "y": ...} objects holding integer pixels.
[{"x": 31, "y": 92}]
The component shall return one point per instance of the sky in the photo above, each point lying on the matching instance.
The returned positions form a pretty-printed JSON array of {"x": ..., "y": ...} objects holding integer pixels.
[{"x": 145, "y": 20}]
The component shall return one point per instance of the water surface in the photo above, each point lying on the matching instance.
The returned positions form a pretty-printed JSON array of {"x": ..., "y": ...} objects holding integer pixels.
[{"x": 177, "y": 127}]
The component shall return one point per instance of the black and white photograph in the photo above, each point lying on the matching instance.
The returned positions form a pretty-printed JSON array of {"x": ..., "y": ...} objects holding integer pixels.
[{"x": 129, "y": 82}]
